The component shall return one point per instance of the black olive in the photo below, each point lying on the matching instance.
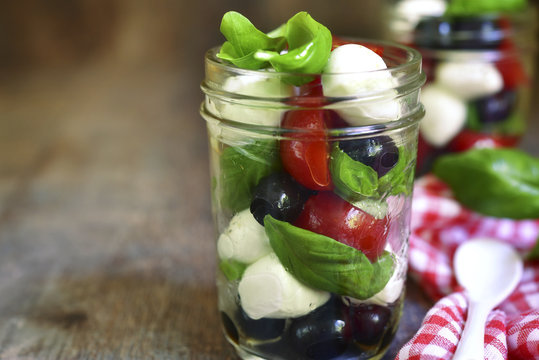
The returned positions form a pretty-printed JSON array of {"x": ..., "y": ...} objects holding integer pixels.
[
  {"x": 496, "y": 108},
  {"x": 260, "y": 329},
  {"x": 464, "y": 32},
  {"x": 280, "y": 196},
  {"x": 379, "y": 152},
  {"x": 229, "y": 328},
  {"x": 368, "y": 323},
  {"x": 321, "y": 333}
]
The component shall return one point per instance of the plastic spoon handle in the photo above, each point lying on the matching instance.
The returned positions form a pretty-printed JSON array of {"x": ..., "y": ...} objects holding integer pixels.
[{"x": 472, "y": 341}]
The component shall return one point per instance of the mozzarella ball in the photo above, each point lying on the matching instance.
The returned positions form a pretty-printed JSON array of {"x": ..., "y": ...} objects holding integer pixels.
[
  {"x": 445, "y": 115},
  {"x": 267, "y": 290},
  {"x": 409, "y": 13},
  {"x": 244, "y": 239},
  {"x": 469, "y": 80},
  {"x": 354, "y": 70},
  {"x": 251, "y": 85}
]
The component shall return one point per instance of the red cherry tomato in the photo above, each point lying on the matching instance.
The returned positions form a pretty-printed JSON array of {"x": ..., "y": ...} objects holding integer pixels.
[
  {"x": 305, "y": 154},
  {"x": 510, "y": 65},
  {"x": 468, "y": 139},
  {"x": 327, "y": 214},
  {"x": 311, "y": 95}
]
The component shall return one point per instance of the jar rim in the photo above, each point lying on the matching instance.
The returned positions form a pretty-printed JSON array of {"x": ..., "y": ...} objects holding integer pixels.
[
  {"x": 402, "y": 78},
  {"x": 413, "y": 60}
]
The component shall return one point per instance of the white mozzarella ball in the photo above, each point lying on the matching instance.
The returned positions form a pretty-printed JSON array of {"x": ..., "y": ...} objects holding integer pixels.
[
  {"x": 409, "y": 12},
  {"x": 351, "y": 58},
  {"x": 244, "y": 239},
  {"x": 259, "y": 86},
  {"x": 352, "y": 70},
  {"x": 468, "y": 79},
  {"x": 266, "y": 289},
  {"x": 445, "y": 115}
]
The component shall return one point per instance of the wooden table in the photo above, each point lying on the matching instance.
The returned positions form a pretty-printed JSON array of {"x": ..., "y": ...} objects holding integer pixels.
[{"x": 106, "y": 243}]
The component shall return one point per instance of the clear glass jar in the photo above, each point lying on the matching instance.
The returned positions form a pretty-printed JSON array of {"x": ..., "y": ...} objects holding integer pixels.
[
  {"x": 479, "y": 75},
  {"x": 311, "y": 199}
]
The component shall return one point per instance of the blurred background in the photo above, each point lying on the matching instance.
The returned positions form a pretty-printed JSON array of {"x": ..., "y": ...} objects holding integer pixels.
[{"x": 63, "y": 39}]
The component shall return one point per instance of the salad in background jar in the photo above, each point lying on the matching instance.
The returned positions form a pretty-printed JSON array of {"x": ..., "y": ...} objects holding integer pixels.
[
  {"x": 479, "y": 61},
  {"x": 313, "y": 142}
]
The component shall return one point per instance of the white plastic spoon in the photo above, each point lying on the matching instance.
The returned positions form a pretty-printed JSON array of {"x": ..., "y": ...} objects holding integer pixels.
[{"x": 489, "y": 271}]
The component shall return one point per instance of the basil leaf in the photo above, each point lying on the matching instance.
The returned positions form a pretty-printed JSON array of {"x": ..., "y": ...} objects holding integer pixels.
[
  {"x": 309, "y": 46},
  {"x": 352, "y": 179},
  {"x": 534, "y": 253},
  {"x": 232, "y": 269},
  {"x": 481, "y": 7},
  {"x": 326, "y": 264},
  {"x": 355, "y": 181},
  {"x": 399, "y": 180},
  {"x": 242, "y": 167},
  {"x": 514, "y": 124},
  {"x": 244, "y": 41},
  {"x": 499, "y": 182},
  {"x": 472, "y": 118}
]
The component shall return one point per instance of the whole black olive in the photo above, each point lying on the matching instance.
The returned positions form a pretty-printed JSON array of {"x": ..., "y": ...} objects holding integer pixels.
[
  {"x": 260, "y": 329},
  {"x": 496, "y": 108},
  {"x": 463, "y": 32},
  {"x": 320, "y": 334},
  {"x": 280, "y": 196},
  {"x": 379, "y": 152}
]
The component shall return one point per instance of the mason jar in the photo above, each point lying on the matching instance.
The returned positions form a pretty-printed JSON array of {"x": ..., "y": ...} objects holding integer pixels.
[
  {"x": 479, "y": 71},
  {"x": 311, "y": 197}
]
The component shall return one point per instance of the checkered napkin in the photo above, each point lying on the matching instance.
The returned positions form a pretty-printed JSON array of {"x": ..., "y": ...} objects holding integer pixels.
[{"x": 439, "y": 225}]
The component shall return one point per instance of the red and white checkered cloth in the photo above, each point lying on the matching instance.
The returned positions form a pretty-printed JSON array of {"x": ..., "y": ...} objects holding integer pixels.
[{"x": 439, "y": 225}]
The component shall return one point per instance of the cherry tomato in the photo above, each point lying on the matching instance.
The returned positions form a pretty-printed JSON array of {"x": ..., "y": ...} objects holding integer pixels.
[
  {"x": 311, "y": 95},
  {"x": 305, "y": 154},
  {"x": 327, "y": 214},
  {"x": 510, "y": 65},
  {"x": 468, "y": 139}
]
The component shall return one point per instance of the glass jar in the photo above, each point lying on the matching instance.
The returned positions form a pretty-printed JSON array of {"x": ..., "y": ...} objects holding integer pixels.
[
  {"x": 311, "y": 197},
  {"x": 479, "y": 74}
]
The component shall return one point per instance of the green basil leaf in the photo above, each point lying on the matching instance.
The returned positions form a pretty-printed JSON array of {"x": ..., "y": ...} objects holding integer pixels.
[
  {"x": 399, "y": 180},
  {"x": 232, "y": 269},
  {"x": 244, "y": 40},
  {"x": 498, "y": 182},
  {"x": 534, "y": 252},
  {"x": 514, "y": 124},
  {"x": 472, "y": 118},
  {"x": 242, "y": 167},
  {"x": 309, "y": 46},
  {"x": 353, "y": 180},
  {"x": 481, "y": 7},
  {"x": 326, "y": 264}
]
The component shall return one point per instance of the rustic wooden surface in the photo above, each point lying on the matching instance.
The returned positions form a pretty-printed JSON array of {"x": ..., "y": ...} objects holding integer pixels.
[{"x": 106, "y": 243}]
